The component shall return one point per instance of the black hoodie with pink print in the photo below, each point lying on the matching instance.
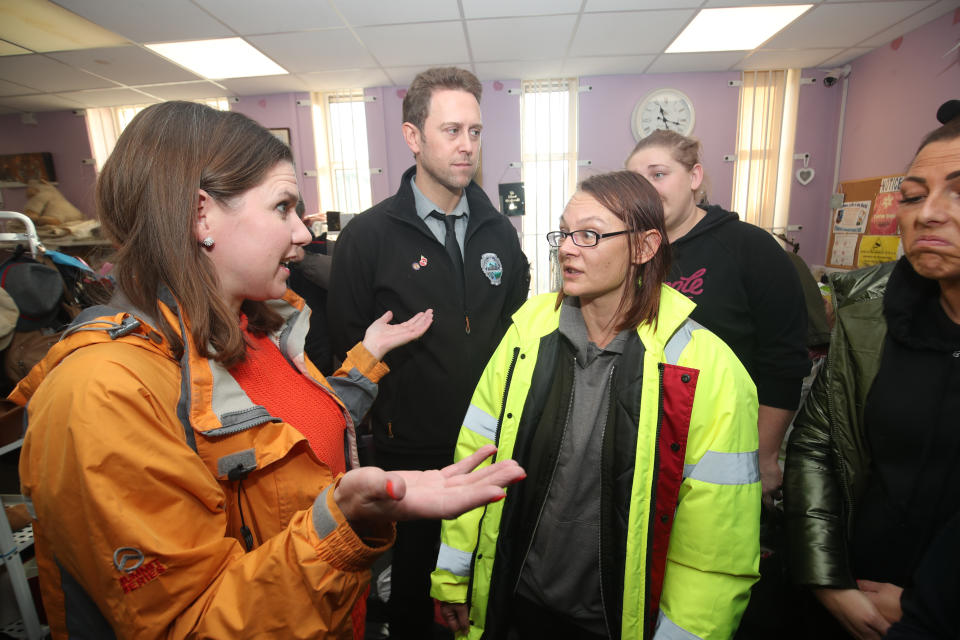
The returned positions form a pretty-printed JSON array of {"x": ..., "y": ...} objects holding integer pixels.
[{"x": 748, "y": 293}]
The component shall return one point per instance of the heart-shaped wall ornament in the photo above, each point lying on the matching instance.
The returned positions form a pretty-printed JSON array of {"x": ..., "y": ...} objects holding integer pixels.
[{"x": 805, "y": 175}]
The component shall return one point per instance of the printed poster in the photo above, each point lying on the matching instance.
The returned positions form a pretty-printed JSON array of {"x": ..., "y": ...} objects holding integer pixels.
[
  {"x": 891, "y": 184},
  {"x": 852, "y": 217},
  {"x": 883, "y": 220},
  {"x": 877, "y": 249},
  {"x": 844, "y": 249}
]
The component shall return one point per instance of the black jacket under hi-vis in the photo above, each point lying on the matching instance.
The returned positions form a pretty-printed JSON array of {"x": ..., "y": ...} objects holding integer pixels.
[{"x": 387, "y": 259}]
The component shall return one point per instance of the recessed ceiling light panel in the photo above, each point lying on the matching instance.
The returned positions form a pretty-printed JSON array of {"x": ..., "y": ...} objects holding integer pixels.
[
  {"x": 735, "y": 28},
  {"x": 220, "y": 58}
]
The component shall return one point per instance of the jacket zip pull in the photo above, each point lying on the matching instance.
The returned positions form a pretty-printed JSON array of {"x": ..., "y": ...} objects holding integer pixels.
[
  {"x": 237, "y": 475},
  {"x": 467, "y": 326}
]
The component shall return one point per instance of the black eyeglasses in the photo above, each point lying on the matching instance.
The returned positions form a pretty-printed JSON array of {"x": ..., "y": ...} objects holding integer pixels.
[{"x": 581, "y": 237}]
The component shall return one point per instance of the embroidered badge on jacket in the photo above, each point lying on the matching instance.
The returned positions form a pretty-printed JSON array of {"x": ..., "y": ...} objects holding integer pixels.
[{"x": 492, "y": 268}]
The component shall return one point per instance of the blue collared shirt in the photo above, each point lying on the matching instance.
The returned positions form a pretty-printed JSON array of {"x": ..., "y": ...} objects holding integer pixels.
[{"x": 425, "y": 206}]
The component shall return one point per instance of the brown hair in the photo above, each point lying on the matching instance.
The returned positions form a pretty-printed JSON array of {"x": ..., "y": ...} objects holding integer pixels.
[
  {"x": 147, "y": 200},
  {"x": 684, "y": 149},
  {"x": 416, "y": 104},
  {"x": 632, "y": 199},
  {"x": 944, "y": 133}
]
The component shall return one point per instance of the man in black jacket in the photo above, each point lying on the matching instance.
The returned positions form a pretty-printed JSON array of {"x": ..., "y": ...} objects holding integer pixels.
[{"x": 438, "y": 243}]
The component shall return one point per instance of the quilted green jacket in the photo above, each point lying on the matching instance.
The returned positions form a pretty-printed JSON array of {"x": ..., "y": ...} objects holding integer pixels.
[{"x": 827, "y": 458}]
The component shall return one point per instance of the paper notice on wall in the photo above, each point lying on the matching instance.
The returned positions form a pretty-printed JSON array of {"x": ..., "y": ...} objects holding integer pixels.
[
  {"x": 844, "y": 249},
  {"x": 877, "y": 249},
  {"x": 883, "y": 220},
  {"x": 852, "y": 217},
  {"x": 891, "y": 184}
]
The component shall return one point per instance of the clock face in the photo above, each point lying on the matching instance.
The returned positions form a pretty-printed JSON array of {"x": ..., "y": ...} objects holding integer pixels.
[{"x": 663, "y": 109}]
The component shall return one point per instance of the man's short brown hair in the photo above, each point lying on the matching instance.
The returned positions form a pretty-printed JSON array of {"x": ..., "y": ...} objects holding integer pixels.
[{"x": 416, "y": 104}]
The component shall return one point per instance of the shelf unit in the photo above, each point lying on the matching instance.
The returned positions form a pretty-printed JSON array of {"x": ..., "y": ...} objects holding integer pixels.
[{"x": 12, "y": 544}]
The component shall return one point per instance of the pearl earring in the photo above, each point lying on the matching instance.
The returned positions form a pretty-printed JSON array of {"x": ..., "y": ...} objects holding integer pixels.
[{"x": 207, "y": 242}]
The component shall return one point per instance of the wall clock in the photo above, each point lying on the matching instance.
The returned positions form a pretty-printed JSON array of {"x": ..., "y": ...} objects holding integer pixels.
[{"x": 662, "y": 109}]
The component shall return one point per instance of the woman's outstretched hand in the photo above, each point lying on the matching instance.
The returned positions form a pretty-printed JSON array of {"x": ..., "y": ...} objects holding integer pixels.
[
  {"x": 370, "y": 495},
  {"x": 381, "y": 336}
]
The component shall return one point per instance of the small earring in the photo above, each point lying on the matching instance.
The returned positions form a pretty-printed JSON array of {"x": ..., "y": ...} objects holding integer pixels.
[{"x": 207, "y": 242}]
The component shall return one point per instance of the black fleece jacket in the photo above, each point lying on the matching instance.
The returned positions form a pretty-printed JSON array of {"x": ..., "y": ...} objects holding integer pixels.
[
  {"x": 748, "y": 293},
  {"x": 388, "y": 259}
]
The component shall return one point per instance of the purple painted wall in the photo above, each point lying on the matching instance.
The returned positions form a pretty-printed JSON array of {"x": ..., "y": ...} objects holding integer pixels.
[
  {"x": 281, "y": 111},
  {"x": 818, "y": 119},
  {"x": 606, "y": 111},
  {"x": 893, "y": 98},
  {"x": 65, "y": 136}
]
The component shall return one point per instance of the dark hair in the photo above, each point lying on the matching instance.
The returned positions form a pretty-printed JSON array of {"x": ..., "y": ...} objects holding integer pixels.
[
  {"x": 685, "y": 150},
  {"x": 416, "y": 104},
  {"x": 632, "y": 199},
  {"x": 147, "y": 199},
  {"x": 947, "y": 132}
]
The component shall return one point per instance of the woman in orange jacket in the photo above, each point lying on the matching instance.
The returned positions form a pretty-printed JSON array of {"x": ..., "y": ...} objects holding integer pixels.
[{"x": 186, "y": 464}]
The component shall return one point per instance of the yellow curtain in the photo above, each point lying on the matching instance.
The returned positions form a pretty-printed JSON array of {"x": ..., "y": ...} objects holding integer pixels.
[{"x": 766, "y": 131}]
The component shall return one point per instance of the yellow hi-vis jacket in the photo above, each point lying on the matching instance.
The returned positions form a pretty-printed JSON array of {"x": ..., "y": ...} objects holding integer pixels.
[
  {"x": 680, "y": 490},
  {"x": 141, "y": 468}
]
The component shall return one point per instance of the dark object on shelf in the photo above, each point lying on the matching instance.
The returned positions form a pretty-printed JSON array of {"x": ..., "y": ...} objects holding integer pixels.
[{"x": 333, "y": 221}]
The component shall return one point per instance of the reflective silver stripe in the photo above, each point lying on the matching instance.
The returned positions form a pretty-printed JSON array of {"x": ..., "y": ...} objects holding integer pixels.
[
  {"x": 453, "y": 560},
  {"x": 679, "y": 341},
  {"x": 480, "y": 422},
  {"x": 725, "y": 468},
  {"x": 667, "y": 629}
]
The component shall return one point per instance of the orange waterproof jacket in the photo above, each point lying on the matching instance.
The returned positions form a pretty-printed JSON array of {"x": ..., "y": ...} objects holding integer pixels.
[{"x": 140, "y": 469}]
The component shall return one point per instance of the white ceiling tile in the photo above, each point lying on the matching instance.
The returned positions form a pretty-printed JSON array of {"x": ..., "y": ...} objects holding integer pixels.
[
  {"x": 403, "y": 76},
  {"x": 150, "y": 21},
  {"x": 314, "y": 50},
  {"x": 606, "y": 65},
  {"x": 636, "y": 5},
  {"x": 911, "y": 23},
  {"x": 39, "y": 102},
  {"x": 107, "y": 97},
  {"x": 520, "y": 38},
  {"x": 43, "y": 74},
  {"x": 264, "y": 85},
  {"x": 371, "y": 12},
  {"x": 345, "y": 79},
  {"x": 683, "y": 62},
  {"x": 842, "y": 25},
  {"x": 10, "y": 49},
  {"x": 520, "y": 70},
  {"x": 248, "y": 17},
  {"x": 13, "y": 89},
  {"x": 435, "y": 44},
  {"x": 798, "y": 59},
  {"x": 185, "y": 90},
  {"x": 473, "y": 9},
  {"x": 126, "y": 65},
  {"x": 627, "y": 33},
  {"x": 847, "y": 56}
]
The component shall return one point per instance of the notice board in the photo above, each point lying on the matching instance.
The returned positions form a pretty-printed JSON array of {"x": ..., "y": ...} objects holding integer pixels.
[{"x": 863, "y": 231}]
